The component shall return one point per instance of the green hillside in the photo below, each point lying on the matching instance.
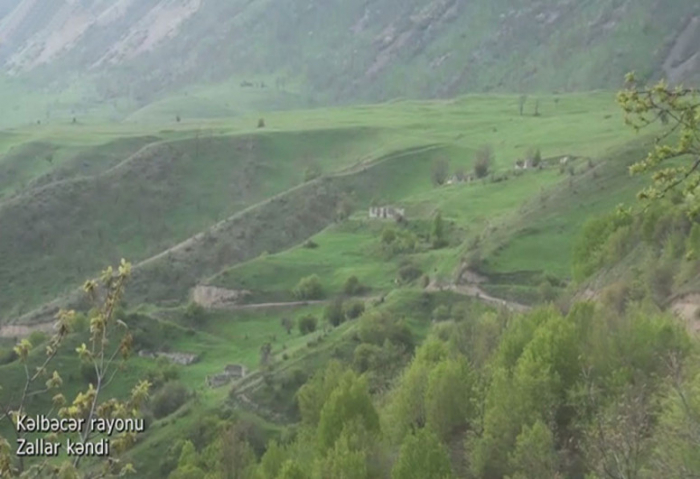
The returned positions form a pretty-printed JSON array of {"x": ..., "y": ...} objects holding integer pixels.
[{"x": 365, "y": 240}]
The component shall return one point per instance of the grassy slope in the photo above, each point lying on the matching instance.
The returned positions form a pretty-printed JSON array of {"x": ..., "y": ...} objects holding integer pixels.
[
  {"x": 173, "y": 195},
  {"x": 397, "y": 170}
]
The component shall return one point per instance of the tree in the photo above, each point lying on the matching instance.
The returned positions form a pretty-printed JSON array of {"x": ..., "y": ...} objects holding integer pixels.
[
  {"x": 678, "y": 110},
  {"x": 168, "y": 399},
  {"x": 236, "y": 458},
  {"x": 439, "y": 171},
  {"x": 110, "y": 344},
  {"x": 195, "y": 314},
  {"x": 484, "y": 158},
  {"x": 273, "y": 459},
  {"x": 537, "y": 108},
  {"x": 353, "y": 286},
  {"x": 449, "y": 397},
  {"x": 521, "y": 103},
  {"x": 617, "y": 443},
  {"x": 535, "y": 156},
  {"x": 348, "y": 403},
  {"x": 422, "y": 456},
  {"x": 287, "y": 324},
  {"x": 333, "y": 313},
  {"x": 261, "y": 123},
  {"x": 265, "y": 352},
  {"x": 309, "y": 288},
  {"x": 438, "y": 232},
  {"x": 354, "y": 309},
  {"x": 534, "y": 455},
  {"x": 307, "y": 324}
]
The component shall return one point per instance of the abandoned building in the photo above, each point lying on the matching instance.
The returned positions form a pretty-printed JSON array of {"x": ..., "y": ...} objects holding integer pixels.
[
  {"x": 231, "y": 372},
  {"x": 384, "y": 212},
  {"x": 184, "y": 359}
]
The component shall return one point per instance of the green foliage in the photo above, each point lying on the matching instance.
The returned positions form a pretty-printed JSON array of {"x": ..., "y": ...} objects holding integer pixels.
[
  {"x": 679, "y": 108},
  {"x": 409, "y": 272},
  {"x": 441, "y": 313},
  {"x": 437, "y": 235},
  {"x": 169, "y": 398},
  {"x": 309, "y": 287},
  {"x": 354, "y": 309},
  {"x": 589, "y": 249},
  {"x": 534, "y": 454},
  {"x": 483, "y": 161},
  {"x": 534, "y": 155},
  {"x": 307, "y": 324},
  {"x": 272, "y": 461},
  {"x": 37, "y": 338},
  {"x": 312, "y": 396},
  {"x": 349, "y": 402},
  {"x": 376, "y": 327},
  {"x": 398, "y": 241},
  {"x": 195, "y": 314},
  {"x": 422, "y": 457},
  {"x": 353, "y": 287},
  {"x": 450, "y": 397},
  {"x": 110, "y": 340},
  {"x": 346, "y": 460},
  {"x": 439, "y": 171},
  {"x": 334, "y": 312}
]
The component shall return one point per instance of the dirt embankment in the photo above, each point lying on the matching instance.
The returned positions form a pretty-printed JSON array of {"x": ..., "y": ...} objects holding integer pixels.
[
  {"x": 213, "y": 297},
  {"x": 687, "y": 307},
  {"x": 22, "y": 330}
]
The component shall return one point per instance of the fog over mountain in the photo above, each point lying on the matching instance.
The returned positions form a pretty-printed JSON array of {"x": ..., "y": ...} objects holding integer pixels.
[{"x": 335, "y": 51}]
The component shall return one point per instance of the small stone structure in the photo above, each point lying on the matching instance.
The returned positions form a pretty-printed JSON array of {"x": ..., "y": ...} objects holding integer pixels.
[
  {"x": 384, "y": 212},
  {"x": 184, "y": 359},
  {"x": 524, "y": 164},
  {"x": 231, "y": 372}
]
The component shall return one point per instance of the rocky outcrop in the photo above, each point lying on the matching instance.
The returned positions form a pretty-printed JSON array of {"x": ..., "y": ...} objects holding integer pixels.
[{"x": 211, "y": 296}]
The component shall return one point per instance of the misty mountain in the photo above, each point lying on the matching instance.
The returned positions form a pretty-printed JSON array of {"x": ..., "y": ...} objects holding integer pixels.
[{"x": 335, "y": 51}]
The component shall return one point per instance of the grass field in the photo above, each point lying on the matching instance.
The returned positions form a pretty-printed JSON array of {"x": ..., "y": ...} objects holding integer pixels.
[{"x": 223, "y": 203}]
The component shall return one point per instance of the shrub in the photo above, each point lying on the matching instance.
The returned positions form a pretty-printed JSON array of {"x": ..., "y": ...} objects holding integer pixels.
[
  {"x": 195, "y": 314},
  {"x": 365, "y": 356},
  {"x": 309, "y": 288},
  {"x": 168, "y": 399},
  {"x": 354, "y": 309},
  {"x": 409, "y": 272},
  {"x": 261, "y": 123},
  {"x": 378, "y": 327},
  {"x": 353, "y": 286},
  {"x": 388, "y": 235},
  {"x": 307, "y": 324},
  {"x": 164, "y": 372},
  {"x": 310, "y": 244},
  {"x": 37, "y": 338},
  {"x": 535, "y": 156},
  {"x": 334, "y": 313},
  {"x": 439, "y": 171},
  {"x": 7, "y": 356},
  {"x": 546, "y": 291},
  {"x": 441, "y": 313}
]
